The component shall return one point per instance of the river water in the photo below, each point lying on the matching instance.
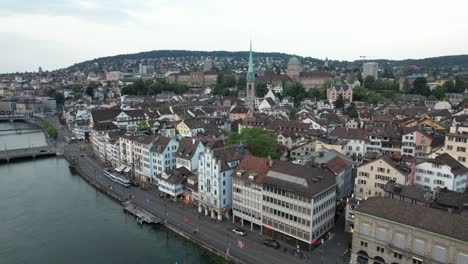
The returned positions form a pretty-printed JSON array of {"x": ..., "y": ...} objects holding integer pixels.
[{"x": 49, "y": 215}]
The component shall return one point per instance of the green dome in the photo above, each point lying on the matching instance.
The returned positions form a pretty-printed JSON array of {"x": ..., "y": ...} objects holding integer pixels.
[{"x": 294, "y": 60}]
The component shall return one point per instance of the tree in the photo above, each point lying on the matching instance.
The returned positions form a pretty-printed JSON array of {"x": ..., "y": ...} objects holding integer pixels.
[
  {"x": 59, "y": 98},
  {"x": 459, "y": 85},
  {"x": 438, "y": 92},
  {"x": 449, "y": 87},
  {"x": 352, "y": 113},
  {"x": 295, "y": 90},
  {"x": 339, "y": 103},
  {"x": 143, "y": 126},
  {"x": 259, "y": 142},
  {"x": 90, "y": 91},
  {"x": 369, "y": 81},
  {"x": 241, "y": 82},
  {"x": 261, "y": 88},
  {"x": 420, "y": 87},
  {"x": 360, "y": 94}
]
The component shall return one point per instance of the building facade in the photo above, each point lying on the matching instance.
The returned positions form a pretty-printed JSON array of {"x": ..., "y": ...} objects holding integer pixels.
[
  {"x": 442, "y": 172},
  {"x": 390, "y": 231},
  {"x": 372, "y": 177},
  {"x": 214, "y": 180}
]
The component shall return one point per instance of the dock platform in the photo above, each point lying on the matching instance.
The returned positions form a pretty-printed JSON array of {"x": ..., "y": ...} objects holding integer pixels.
[{"x": 141, "y": 215}]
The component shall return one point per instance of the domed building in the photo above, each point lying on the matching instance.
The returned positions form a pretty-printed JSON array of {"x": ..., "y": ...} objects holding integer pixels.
[{"x": 294, "y": 68}]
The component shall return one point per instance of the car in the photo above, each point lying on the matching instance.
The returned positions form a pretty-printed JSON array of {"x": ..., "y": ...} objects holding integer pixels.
[
  {"x": 134, "y": 183},
  {"x": 239, "y": 231},
  {"x": 81, "y": 155},
  {"x": 271, "y": 243},
  {"x": 43, "y": 150}
]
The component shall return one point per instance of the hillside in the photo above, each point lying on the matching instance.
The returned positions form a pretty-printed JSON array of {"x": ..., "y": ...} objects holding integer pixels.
[{"x": 237, "y": 58}]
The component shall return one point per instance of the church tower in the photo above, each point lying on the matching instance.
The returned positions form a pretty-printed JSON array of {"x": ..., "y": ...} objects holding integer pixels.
[{"x": 250, "y": 89}]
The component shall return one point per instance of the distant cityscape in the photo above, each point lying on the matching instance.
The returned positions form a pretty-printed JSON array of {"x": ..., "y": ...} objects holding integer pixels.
[{"x": 363, "y": 162}]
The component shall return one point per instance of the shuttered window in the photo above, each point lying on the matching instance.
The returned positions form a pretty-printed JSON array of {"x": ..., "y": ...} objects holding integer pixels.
[
  {"x": 381, "y": 234},
  {"x": 399, "y": 240},
  {"x": 440, "y": 254},
  {"x": 419, "y": 246},
  {"x": 365, "y": 229}
]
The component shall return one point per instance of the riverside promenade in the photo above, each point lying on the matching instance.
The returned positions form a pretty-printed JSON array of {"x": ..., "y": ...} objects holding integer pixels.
[{"x": 183, "y": 219}]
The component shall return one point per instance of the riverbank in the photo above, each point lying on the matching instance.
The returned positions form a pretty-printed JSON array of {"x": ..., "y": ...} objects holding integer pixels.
[{"x": 47, "y": 127}]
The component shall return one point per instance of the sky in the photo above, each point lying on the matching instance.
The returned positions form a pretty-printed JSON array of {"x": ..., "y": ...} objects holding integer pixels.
[{"x": 58, "y": 33}]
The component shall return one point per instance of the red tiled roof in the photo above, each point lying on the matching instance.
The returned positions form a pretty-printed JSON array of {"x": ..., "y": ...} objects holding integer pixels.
[{"x": 251, "y": 164}]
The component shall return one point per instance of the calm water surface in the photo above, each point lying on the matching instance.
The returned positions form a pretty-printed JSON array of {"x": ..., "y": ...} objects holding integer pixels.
[{"x": 49, "y": 215}]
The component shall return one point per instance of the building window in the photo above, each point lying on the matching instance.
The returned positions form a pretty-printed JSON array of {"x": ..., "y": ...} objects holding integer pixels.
[
  {"x": 417, "y": 261},
  {"x": 363, "y": 244},
  {"x": 462, "y": 159},
  {"x": 397, "y": 255}
]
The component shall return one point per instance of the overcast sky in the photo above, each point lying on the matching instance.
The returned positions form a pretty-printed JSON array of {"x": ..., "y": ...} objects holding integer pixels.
[{"x": 57, "y": 33}]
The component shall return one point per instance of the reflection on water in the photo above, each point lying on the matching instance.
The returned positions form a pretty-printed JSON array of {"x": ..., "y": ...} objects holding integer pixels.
[
  {"x": 9, "y": 139},
  {"x": 48, "y": 215}
]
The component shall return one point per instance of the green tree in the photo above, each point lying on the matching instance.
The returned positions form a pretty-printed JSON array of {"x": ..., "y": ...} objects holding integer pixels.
[
  {"x": 261, "y": 88},
  {"x": 339, "y": 103},
  {"x": 459, "y": 85},
  {"x": 420, "y": 87},
  {"x": 259, "y": 142},
  {"x": 295, "y": 90},
  {"x": 369, "y": 82},
  {"x": 449, "y": 87},
  {"x": 90, "y": 91},
  {"x": 438, "y": 92},
  {"x": 360, "y": 94},
  {"x": 241, "y": 82},
  {"x": 143, "y": 126},
  {"x": 352, "y": 113}
]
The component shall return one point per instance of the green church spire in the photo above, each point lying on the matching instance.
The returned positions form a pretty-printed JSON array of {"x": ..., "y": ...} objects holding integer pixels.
[{"x": 250, "y": 72}]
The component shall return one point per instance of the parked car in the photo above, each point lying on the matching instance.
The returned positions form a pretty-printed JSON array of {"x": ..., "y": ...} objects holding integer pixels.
[
  {"x": 239, "y": 231},
  {"x": 271, "y": 243},
  {"x": 134, "y": 183}
]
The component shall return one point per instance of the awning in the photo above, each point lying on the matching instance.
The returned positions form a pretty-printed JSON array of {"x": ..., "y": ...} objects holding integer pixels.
[
  {"x": 119, "y": 169},
  {"x": 266, "y": 227}
]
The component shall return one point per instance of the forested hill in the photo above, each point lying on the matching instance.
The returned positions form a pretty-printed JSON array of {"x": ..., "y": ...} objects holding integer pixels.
[
  {"x": 443, "y": 61},
  {"x": 233, "y": 57},
  {"x": 157, "y": 54}
]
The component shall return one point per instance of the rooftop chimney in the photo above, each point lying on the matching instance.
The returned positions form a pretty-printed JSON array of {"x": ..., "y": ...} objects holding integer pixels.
[{"x": 270, "y": 161}]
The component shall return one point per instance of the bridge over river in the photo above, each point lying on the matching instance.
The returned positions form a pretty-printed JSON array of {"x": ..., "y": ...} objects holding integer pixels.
[{"x": 28, "y": 153}]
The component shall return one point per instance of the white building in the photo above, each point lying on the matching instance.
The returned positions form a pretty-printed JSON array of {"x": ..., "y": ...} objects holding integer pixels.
[
  {"x": 188, "y": 154},
  {"x": 214, "y": 179},
  {"x": 442, "y": 172},
  {"x": 162, "y": 156}
]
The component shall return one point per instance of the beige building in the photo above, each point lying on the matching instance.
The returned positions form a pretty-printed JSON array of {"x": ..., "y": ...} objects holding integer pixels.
[
  {"x": 390, "y": 231},
  {"x": 309, "y": 80},
  {"x": 195, "y": 78},
  {"x": 456, "y": 144},
  {"x": 336, "y": 90},
  {"x": 284, "y": 200},
  {"x": 372, "y": 176}
]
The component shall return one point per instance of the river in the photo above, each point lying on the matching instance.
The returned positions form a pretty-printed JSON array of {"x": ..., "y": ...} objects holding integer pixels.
[{"x": 50, "y": 215}]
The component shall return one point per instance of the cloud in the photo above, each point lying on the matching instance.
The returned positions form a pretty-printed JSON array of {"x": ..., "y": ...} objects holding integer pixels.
[{"x": 85, "y": 29}]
